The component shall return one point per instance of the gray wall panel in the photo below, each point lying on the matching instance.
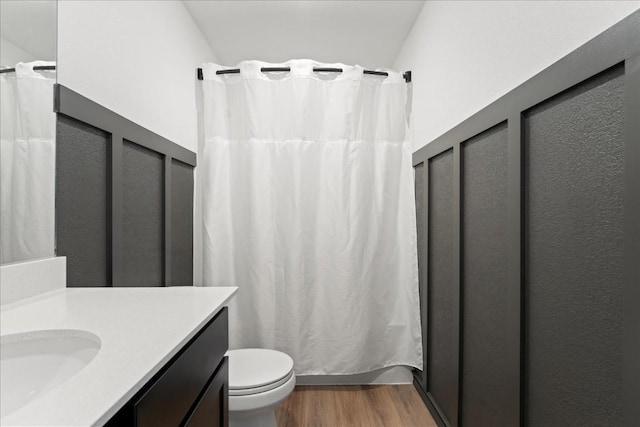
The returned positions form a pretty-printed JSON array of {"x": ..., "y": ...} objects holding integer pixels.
[
  {"x": 82, "y": 217},
  {"x": 574, "y": 255},
  {"x": 442, "y": 293},
  {"x": 142, "y": 216},
  {"x": 114, "y": 190},
  {"x": 420, "y": 177},
  {"x": 181, "y": 224},
  {"x": 572, "y": 218},
  {"x": 485, "y": 385}
]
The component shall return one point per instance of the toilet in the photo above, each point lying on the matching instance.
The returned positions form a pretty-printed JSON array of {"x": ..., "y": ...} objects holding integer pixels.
[{"x": 259, "y": 379}]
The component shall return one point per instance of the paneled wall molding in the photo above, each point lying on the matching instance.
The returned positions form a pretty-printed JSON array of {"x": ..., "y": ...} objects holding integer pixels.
[
  {"x": 632, "y": 237},
  {"x": 542, "y": 192},
  {"x": 515, "y": 271},
  {"x": 72, "y": 104},
  {"x": 122, "y": 191},
  {"x": 115, "y": 196},
  {"x": 612, "y": 47}
]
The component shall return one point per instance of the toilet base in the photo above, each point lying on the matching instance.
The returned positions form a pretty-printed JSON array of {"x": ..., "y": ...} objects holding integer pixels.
[
  {"x": 253, "y": 419},
  {"x": 259, "y": 410}
]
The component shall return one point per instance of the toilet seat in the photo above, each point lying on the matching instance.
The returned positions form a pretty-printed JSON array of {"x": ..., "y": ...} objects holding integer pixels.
[
  {"x": 266, "y": 401},
  {"x": 261, "y": 389},
  {"x": 257, "y": 370}
]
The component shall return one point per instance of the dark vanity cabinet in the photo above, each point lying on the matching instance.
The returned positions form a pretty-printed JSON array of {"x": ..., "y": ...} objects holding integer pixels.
[
  {"x": 190, "y": 390},
  {"x": 212, "y": 407}
]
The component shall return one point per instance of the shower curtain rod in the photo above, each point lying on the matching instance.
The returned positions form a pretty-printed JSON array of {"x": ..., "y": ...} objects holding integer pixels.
[
  {"x": 36, "y": 68},
  {"x": 406, "y": 74}
]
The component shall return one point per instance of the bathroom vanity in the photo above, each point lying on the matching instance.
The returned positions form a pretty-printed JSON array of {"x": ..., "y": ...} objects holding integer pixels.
[{"x": 157, "y": 356}]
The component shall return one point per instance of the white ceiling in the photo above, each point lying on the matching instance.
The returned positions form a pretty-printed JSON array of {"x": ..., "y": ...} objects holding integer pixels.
[
  {"x": 30, "y": 25},
  {"x": 368, "y": 33}
]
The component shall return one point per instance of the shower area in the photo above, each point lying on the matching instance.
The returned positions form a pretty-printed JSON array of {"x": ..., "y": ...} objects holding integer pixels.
[{"x": 308, "y": 206}]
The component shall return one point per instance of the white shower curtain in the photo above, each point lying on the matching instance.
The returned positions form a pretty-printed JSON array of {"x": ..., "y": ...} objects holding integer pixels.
[
  {"x": 27, "y": 168},
  {"x": 308, "y": 207}
]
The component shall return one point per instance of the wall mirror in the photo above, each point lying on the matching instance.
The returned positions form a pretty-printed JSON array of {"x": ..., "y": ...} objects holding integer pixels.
[{"x": 27, "y": 131}]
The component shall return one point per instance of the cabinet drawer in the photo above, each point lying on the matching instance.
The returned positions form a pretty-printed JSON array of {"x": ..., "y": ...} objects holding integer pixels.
[
  {"x": 213, "y": 407},
  {"x": 168, "y": 400}
]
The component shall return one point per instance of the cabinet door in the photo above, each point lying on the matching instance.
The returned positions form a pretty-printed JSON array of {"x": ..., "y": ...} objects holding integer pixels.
[
  {"x": 170, "y": 398},
  {"x": 212, "y": 408}
]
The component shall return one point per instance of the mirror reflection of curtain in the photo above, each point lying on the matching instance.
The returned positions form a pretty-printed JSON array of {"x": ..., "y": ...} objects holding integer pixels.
[{"x": 27, "y": 169}]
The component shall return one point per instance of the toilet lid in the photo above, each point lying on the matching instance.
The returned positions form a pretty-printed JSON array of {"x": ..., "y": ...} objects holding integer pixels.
[{"x": 258, "y": 369}]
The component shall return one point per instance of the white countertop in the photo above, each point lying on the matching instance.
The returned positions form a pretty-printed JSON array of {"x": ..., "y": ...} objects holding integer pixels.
[{"x": 140, "y": 329}]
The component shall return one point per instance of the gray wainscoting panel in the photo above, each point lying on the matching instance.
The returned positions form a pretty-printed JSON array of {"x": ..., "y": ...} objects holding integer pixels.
[
  {"x": 82, "y": 205},
  {"x": 574, "y": 255},
  {"x": 114, "y": 190},
  {"x": 571, "y": 309},
  {"x": 485, "y": 385},
  {"x": 442, "y": 291},
  {"x": 420, "y": 176},
  {"x": 181, "y": 224},
  {"x": 142, "y": 216}
]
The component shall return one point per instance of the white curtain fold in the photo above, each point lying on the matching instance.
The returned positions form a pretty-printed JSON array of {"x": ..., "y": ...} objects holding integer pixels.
[
  {"x": 27, "y": 163},
  {"x": 308, "y": 206}
]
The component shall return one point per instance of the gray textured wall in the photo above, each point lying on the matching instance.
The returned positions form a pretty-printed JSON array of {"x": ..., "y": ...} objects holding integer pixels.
[
  {"x": 442, "y": 333},
  {"x": 181, "y": 224},
  {"x": 142, "y": 216},
  {"x": 485, "y": 288},
  {"x": 82, "y": 204},
  {"x": 115, "y": 221},
  {"x": 549, "y": 303},
  {"x": 574, "y": 281}
]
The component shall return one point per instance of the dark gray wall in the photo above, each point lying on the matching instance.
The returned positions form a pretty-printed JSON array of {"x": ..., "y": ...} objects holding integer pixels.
[
  {"x": 142, "y": 216},
  {"x": 442, "y": 332},
  {"x": 484, "y": 283},
  {"x": 124, "y": 199},
  {"x": 181, "y": 224},
  {"x": 574, "y": 254},
  {"x": 82, "y": 201},
  {"x": 537, "y": 240}
]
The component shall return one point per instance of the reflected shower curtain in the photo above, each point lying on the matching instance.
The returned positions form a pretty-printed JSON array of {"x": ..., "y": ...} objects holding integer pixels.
[
  {"x": 27, "y": 168},
  {"x": 308, "y": 206}
]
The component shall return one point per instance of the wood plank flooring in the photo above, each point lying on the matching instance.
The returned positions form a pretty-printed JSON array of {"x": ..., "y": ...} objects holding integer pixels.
[{"x": 354, "y": 406}]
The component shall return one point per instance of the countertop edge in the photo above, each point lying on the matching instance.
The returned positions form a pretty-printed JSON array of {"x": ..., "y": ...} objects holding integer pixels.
[
  {"x": 103, "y": 410},
  {"x": 105, "y": 417}
]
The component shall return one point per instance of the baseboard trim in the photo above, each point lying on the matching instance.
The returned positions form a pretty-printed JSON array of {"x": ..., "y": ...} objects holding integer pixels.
[{"x": 431, "y": 406}]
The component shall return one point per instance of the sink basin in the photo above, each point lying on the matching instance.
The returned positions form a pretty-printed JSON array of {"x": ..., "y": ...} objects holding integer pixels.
[{"x": 34, "y": 363}]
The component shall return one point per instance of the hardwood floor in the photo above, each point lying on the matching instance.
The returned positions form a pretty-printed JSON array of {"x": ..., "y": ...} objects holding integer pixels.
[{"x": 357, "y": 406}]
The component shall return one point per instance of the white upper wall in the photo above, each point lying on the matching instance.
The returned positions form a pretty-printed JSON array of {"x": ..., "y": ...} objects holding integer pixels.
[
  {"x": 365, "y": 32},
  {"x": 466, "y": 54},
  {"x": 29, "y": 26},
  {"x": 10, "y": 54},
  {"x": 137, "y": 58}
]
